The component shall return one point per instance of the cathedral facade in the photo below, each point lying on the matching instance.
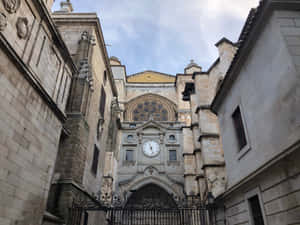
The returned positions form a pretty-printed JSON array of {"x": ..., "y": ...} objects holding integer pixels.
[{"x": 76, "y": 128}]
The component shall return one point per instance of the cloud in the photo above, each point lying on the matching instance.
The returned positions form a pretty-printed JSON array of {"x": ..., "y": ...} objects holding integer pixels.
[{"x": 163, "y": 35}]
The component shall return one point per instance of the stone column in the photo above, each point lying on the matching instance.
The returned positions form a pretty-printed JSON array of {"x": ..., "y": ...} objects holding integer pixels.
[
  {"x": 197, "y": 146},
  {"x": 213, "y": 164},
  {"x": 191, "y": 187}
]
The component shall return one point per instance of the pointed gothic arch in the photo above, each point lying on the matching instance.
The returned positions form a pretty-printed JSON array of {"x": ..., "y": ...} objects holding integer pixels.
[{"x": 144, "y": 107}]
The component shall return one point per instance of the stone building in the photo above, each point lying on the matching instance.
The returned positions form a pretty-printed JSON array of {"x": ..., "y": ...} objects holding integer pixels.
[
  {"x": 58, "y": 105},
  {"x": 74, "y": 127}
]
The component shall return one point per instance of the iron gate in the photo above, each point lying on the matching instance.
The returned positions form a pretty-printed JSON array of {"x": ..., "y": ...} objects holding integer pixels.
[{"x": 98, "y": 215}]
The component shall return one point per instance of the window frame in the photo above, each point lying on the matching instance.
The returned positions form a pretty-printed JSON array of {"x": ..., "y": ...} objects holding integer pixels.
[
  {"x": 249, "y": 195},
  {"x": 172, "y": 140},
  {"x": 241, "y": 152},
  {"x": 125, "y": 155},
  {"x": 171, "y": 160}
]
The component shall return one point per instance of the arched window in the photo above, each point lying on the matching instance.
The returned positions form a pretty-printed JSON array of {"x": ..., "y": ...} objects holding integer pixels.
[
  {"x": 172, "y": 137},
  {"x": 154, "y": 109},
  {"x": 149, "y": 107}
]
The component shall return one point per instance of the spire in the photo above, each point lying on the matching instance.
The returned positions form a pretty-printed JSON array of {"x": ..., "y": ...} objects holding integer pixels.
[{"x": 66, "y": 6}]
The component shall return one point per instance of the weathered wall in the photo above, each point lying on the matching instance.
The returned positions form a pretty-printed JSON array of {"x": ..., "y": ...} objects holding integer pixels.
[{"x": 35, "y": 81}]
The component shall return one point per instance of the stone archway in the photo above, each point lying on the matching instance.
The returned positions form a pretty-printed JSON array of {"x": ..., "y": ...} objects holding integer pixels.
[{"x": 151, "y": 196}]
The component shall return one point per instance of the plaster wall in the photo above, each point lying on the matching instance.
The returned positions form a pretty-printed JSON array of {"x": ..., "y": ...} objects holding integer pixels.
[{"x": 269, "y": 100}]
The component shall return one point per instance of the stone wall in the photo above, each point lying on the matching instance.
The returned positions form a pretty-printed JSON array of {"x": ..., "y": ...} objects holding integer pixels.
[
  {"x": 89, "y": 130},
  {"x": 279, "y": 191},
  {"x": 35, "y": 77}
]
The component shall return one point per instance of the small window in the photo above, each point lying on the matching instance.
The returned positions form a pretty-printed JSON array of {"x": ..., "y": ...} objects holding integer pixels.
[
  {"x": 102, "y": 102},
  {"x": 132, "y": 125},
  {"x": 256, "y": 212},
  {"x": 172, "y": 155},
  {"x": 239, "y": 128},
  {"x": 172, "y": 138},
  {"x": 95, "y": 160},
  {"x": 104, "y": 77},
  {"x": 130, "y": 137},
  {"x": 129, "y": 155}
]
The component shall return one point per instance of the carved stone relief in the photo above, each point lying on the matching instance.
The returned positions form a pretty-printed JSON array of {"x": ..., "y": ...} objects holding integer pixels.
[
  {"x": 3, "y": 21},
  {"x": 216, "y": 182},
  {"x": 106, "y": 190},
  {"x": 22, "y": 27},
  {"x": 11, "y": 6}
]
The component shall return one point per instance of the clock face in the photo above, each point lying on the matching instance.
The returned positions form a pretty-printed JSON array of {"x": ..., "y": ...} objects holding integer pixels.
[{"x": 151, "y": 148}]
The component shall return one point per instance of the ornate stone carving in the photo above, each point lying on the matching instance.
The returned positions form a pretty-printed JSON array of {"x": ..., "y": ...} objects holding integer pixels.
[
  {"x": 217, "y": 182},
  {"x": 3, "y": 21},
  {"x": 106, "y": 191},
  {"x": 11, "y": 6},
  {"x": 22, "y": 27}
]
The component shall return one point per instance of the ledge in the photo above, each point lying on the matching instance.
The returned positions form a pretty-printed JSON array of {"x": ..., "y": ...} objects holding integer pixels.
[
  {"x": 189, "y": 175},
  {"x": 208, "y": 135},
  {"x": 213, "y": 165},
  {"x": 194, "y": 125},
  {"x": 202, "y": 107},
  {"x": 197, "y": 150},
  {"x": 187, "y": 154},
  {"x": 199, "y": 176}
]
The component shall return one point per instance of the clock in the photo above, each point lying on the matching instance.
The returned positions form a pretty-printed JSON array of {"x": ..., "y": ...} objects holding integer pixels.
[{"x": 151, "y": 148}]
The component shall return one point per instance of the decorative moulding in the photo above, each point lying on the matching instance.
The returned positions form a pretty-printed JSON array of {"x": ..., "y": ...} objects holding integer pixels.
[
  {"x": 22, "y": 27},
  {"x": 3, "y": 21},
  {"x": 11, "y": 6}
]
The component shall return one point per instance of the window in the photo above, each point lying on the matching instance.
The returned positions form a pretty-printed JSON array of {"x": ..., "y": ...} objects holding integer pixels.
[
  {"x": 129, "y": 155},
  {"x": 239, "y": 128},
  {"x": 99, "y": 128},
  {"x": 255, "y": 211},
  {"x": 102, "y": 102},
  {"x": 130, "y": 137},
  {"x": 132, "y": 125},
  {"x": 95, "y": 160},
  {"x": 147, "y": 109},
  {"x": 172, "y": 137},
  {"x": 172, "y": 155},
  {"x": 104, "y": 77}
]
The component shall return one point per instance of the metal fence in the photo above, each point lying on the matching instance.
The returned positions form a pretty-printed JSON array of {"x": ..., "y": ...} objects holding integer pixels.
[{"x": 98, "y": 215}]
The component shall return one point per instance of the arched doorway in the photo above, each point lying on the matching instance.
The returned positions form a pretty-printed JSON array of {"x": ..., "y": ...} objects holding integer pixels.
[{"x": 151, "y": 196}]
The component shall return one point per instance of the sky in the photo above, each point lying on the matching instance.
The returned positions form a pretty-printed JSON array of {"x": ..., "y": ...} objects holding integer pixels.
[{"x": 164, "y": 35}]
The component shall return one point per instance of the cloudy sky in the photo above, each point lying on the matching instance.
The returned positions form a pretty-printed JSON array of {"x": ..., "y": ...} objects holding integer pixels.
[{"x": 163, "y": 35}]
